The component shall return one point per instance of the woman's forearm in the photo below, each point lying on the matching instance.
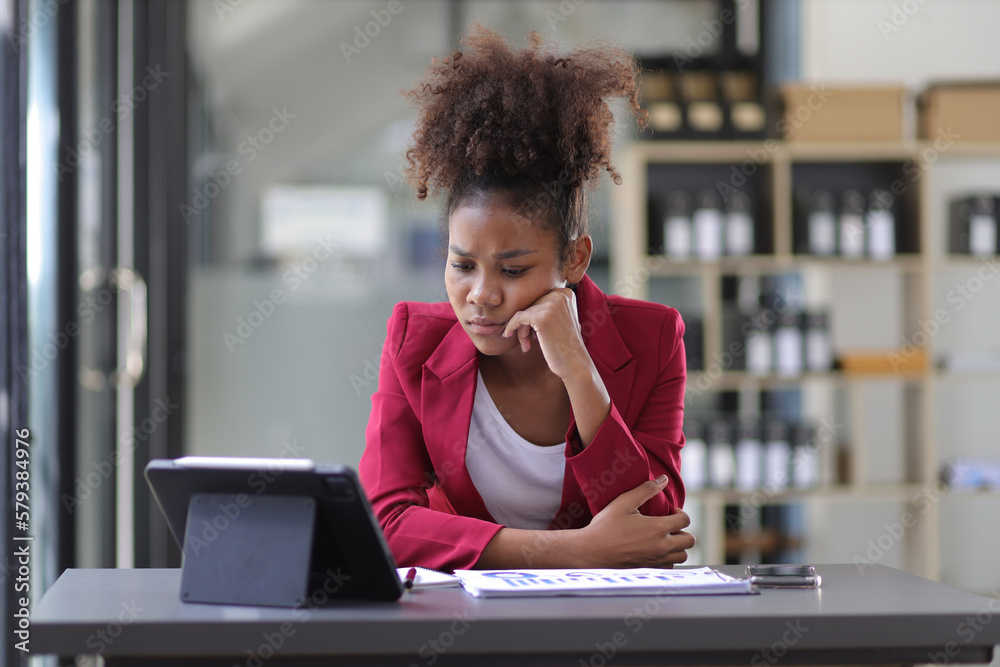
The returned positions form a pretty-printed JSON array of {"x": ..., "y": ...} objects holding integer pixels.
[
  {"x": 590, "y": 401},
  {"x": 517, "y": 548}
]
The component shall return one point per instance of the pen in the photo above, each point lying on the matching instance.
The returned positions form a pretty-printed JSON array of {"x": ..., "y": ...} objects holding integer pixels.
[{"x": 410, "y": 577}]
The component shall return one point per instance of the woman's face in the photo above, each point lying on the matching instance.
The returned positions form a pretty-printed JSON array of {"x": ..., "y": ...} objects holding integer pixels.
[{"x": 499, "y": 263}]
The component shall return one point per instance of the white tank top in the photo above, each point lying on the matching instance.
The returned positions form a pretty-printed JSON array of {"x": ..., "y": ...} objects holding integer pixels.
[{"x": 520, "y": 482}]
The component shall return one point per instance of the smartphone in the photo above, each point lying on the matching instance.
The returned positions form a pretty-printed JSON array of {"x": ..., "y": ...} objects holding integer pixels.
[{"x": 783, "y": 576}]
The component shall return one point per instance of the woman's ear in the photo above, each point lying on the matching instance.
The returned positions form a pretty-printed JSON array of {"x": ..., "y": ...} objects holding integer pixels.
[{"x": 576, "y": 265}]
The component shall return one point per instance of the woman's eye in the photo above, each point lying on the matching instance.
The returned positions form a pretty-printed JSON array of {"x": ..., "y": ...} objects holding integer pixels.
[
  {"x": 461, "y": 267},
  {"x": 514, "y": 272}
]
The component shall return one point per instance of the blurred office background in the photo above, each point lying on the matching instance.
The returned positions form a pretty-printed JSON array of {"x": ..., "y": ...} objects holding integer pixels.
[{"x": 206, "y": 228}]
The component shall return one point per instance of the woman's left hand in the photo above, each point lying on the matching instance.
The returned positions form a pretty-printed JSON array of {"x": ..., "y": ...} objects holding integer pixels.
[{"x": 553, "y": 320}]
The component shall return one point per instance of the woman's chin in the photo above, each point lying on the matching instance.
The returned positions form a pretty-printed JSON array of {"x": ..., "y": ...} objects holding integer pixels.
[{"x": 493, "y": 346}]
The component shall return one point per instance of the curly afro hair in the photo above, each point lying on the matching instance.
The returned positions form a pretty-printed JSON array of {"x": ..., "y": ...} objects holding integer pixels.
[{"x": 524, "y": 128}]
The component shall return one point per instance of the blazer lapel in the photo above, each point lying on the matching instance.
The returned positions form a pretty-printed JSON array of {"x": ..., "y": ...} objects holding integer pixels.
[{"x": 448, "y": 390}]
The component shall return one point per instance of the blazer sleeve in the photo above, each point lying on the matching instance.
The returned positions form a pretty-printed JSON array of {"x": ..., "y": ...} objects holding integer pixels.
[
  {"x": 397, "y": 473},
  {"x": 623, "y": 456}
]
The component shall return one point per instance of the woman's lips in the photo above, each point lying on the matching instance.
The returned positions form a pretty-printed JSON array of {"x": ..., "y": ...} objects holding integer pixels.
[{"x": 485, "y": 327}]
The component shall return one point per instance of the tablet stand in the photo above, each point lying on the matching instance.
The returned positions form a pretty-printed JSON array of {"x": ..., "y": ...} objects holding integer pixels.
[{"x": 248, "y": 549}]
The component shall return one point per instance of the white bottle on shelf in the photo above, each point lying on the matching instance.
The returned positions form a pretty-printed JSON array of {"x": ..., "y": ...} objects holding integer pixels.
[
  {"x": 720, "y": 455},
  {"x": 805, "y": 458},
  {"x": 708, "y": 226},
  {"x": 822, "y": 224},
  {"x": 749, "y": 457},
  {"x": 851, "y": 227},
  {"x": 881, "y": 225},
  {"x": 739, "y": 224},
  {"x": 677, "y": 226},
  {"x": 694, "y": 457},
  {"x": 983, "y": 228},
  {"x": 819, "y": 347},
  {"x": 788, "y": 344},
  {"x": 759, "y": 345},
  {"x": 777, "y": 455}
]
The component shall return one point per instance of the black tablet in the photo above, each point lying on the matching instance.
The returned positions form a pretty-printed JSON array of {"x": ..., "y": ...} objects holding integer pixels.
[{"x": 252, "y": 528}]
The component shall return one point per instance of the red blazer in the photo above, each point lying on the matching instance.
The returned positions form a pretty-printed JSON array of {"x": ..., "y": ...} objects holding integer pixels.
[{"x": 413, "y": 468}]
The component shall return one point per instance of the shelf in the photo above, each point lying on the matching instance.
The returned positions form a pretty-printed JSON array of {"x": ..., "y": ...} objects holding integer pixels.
[
  {"x": 952, "y": 261},
  {"x": 663, "y": 266},
  {"x": 985, "y": 375},
  {"x": 988, "y": 149},
  {"x": 854, "y": 151},
  {"x": 700, "y": 151},
  {"x": 900, "y": 492},
  {"x": 973, "y": 493},
  {"x": 777, "y": 176},
  {"x": 733, "y": 380},
  {"x": 770, "y": 149}
]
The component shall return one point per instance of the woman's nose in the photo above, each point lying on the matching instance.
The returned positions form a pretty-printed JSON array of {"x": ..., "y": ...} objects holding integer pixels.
[{"x": 483, "y": 293}]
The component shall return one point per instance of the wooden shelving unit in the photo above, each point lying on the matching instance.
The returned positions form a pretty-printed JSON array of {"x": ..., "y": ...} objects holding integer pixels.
[{"x": 775, "y": 165}]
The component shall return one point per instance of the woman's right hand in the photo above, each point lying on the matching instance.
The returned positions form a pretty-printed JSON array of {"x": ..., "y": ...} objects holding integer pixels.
[{"x": 620, "y": 536}]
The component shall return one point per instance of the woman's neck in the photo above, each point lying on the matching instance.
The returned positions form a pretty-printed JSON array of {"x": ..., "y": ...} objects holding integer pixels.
[{"x": 517, "y": 368}]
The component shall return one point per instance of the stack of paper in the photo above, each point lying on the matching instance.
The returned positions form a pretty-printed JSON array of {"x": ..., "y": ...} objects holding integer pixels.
[{"x": 637, "y": 581}]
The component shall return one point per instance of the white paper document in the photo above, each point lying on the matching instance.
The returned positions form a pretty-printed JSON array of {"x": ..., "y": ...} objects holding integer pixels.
[
  {"x": 636, "y": 581},
  {"x": 429, "y": 578}
]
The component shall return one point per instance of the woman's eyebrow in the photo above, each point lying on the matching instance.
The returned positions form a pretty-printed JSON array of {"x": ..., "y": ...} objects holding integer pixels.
[
  {"x": 506, "y": 254},
  {"x": 516, "y": 252}
]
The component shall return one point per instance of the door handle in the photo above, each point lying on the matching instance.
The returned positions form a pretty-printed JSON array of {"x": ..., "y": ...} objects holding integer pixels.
[{"x": 132, "y": 328}]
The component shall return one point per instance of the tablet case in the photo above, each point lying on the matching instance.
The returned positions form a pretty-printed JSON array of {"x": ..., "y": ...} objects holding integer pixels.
[{"x": 273, "y": 537}]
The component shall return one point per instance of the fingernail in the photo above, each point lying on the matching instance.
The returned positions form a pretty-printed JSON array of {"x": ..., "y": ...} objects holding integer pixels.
[{"x": 661, "y": 479}]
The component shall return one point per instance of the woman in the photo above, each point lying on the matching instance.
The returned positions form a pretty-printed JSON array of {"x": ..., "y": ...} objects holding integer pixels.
[{"x": 533, "y": 421}]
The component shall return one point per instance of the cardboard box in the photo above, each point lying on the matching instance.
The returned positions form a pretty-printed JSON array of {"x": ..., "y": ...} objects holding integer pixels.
[
  {"x": 884, "y": 362},
  {"x": 820, "y": 112},
  {"x": 961, "y": 111}
]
